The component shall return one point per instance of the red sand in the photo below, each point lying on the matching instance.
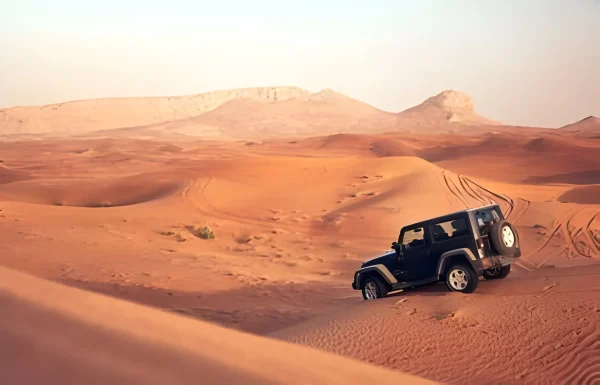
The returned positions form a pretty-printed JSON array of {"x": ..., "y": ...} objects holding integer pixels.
[
  {"x": 52, "y": 334},
  {"x": 118, "y": 212}
]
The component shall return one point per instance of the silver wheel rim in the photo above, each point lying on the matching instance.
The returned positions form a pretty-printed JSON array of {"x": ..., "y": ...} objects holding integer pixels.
[
  {"x": 458, "y": 279},
  {"x": 508, "y": 237},
  {"x": 370, "y": 290}
]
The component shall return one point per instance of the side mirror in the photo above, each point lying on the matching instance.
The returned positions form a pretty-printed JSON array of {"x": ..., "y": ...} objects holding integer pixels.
[{"x": 399, "y": 249}]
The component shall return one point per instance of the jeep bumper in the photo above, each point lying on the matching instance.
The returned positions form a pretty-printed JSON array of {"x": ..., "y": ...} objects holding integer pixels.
[
  {"x": 355, "y": 281},
  {"x": 495, "y": 261}
]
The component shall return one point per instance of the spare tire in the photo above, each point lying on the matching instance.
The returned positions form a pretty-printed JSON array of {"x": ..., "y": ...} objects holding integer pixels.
[{"x": 505, "y": 239}]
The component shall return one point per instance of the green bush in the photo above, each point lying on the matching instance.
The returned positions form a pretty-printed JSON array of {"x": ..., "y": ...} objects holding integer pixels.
[{"x": 205, "y": 233}]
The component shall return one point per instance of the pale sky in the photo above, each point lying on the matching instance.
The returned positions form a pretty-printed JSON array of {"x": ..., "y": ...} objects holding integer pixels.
[{"x": 526, "y": 62}]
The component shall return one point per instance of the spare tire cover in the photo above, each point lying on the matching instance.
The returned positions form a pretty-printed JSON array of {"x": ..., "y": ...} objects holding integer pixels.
[{"x": 504, "y": 238}]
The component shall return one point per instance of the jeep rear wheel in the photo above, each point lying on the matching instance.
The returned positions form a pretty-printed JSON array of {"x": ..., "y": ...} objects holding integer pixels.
[
  {"x": 497, "y": 272},
  {"x": 373, "y": 288},
  {"x": 461, "y": 278}
]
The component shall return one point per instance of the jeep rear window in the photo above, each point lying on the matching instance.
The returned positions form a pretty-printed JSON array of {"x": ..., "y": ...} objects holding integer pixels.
[
  {"x": 485, "y": 217},
  {"x": 444, "y": 231}
]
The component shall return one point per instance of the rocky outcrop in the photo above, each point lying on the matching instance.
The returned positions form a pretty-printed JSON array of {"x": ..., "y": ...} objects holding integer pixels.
[
  {"x": 454, "y": 102},
  {"x": 446, "y": 107}
]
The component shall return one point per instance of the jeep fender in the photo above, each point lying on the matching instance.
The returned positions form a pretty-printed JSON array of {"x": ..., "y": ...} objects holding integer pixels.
[
  {"x": 445, "y": 259},
  {"x": 381, "y": 270}
]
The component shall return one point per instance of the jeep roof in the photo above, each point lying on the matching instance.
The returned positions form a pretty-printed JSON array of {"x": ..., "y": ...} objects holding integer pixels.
[{"x": 449, "y": 215}]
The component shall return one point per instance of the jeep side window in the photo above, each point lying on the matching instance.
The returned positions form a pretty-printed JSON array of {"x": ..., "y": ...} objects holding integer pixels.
[
  {"x": 414, "y": 237},
  {"x": 449, "y": 230}
]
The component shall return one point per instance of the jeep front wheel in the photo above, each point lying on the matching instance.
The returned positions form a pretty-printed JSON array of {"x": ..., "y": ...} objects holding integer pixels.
[
  {"x": 461, "y": 278},
  {"x": 497, "y": 272},
  {"x": 373, "y": 288}
]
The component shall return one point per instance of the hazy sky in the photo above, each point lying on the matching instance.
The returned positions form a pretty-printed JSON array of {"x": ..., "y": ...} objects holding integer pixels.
[{"x": 528, "y": 62}]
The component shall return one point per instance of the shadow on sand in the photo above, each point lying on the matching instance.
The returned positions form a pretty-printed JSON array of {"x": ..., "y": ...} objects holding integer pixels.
[{"x": 257, "y": 309}]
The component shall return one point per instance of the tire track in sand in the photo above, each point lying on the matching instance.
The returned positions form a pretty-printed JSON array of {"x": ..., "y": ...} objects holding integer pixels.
[
  {"x": 579, "y": 242},
  {"x": 455, "y": 192},
  {"x": 590, "y": 235},
  {"x": 589, "y": 247},
  {"x": 571, "y": 233},
  {"x": 194, "y": 193},
  {"x": 514, "y": 209},
  {"x": 483, "y": 196},
  {"x": 469, "y": 190},
  {"x": 494, "y": 197}
]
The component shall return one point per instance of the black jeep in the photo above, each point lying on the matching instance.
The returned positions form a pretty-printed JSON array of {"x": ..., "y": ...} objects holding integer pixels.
[{"x": 456, "y": 248}]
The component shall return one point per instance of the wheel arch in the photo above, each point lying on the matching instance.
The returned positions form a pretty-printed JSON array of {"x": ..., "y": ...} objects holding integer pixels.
[
  {"x": 449, "y": 258},
  {"x": 379, "y": 271}
]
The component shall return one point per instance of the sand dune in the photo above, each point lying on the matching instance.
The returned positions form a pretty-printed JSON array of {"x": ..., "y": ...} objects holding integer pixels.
[
  {"x": 582, "y": 195},
  {"x": 7, "y": 175},
  {"x": 344, "y": 141},
  {"x": 532, "y": 328},
  {"x": 329, "y": 198},
  {"x": 519, "y": 157},
  {"x": 59, "y": 335},
  {"x": 101, "y": 193},
  {"x": 253, "y": 208},
  {"x": 364, "y": 145}
]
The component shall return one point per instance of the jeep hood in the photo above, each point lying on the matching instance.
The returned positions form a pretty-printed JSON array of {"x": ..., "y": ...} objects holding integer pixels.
[{"x": 379, "y": 259}]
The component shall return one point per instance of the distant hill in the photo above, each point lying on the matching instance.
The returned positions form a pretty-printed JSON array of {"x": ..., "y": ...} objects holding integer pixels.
[
  {"x": 446, "y": 107},
  {"x": 589, "y": 124},
  {"x": 241, "y": 113},
  {"x": 323, "y": 113},
  {"x": 102, "y": 114}
]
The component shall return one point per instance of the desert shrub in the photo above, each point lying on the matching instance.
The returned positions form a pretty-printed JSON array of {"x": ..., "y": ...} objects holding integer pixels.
[{"x": 204, "y": 233}]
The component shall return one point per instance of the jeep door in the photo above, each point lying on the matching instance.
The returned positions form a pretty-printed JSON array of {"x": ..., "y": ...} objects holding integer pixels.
[{"x": 415, "y": 263}]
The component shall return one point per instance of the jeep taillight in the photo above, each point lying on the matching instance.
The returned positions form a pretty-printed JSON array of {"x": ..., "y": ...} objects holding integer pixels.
[{"x": 480, "y": 243}]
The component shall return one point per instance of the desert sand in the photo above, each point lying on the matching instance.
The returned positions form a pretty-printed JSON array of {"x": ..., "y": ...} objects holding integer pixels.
[
  {"x": 53, "y": 334},
  {"x": 298, "y": 189}
]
